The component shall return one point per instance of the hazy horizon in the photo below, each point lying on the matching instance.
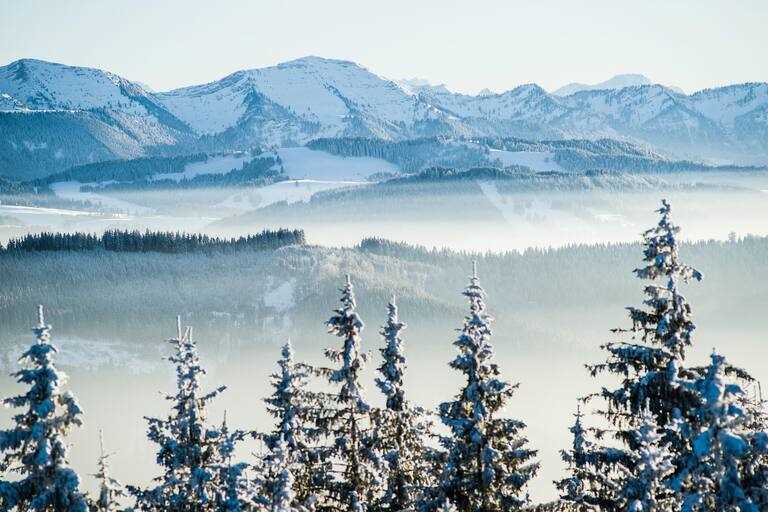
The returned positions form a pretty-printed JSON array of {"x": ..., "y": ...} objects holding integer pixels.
[{"x": 494, "y": 45}]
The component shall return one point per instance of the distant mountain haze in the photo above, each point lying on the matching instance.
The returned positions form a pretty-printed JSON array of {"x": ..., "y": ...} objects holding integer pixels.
[
  {"x": 617, "y": 82},
  {"x": 53, "y": 116}
]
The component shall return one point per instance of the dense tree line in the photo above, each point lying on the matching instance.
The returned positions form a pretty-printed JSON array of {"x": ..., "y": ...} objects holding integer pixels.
[
  {"x": 124, "y": 170},
  {"x": 152, "y": 241},
  {"x": 665, "y": 437},
  {"x": 36, "y": 144},
  {"x": 574, "y": 155},
  {"x": 139, "y": 173},
  {"x": 117, "y": 288},
  {"x": 439, "y": 174},
  {"x": 256, "y": 172},
  {"x": 410, "y": 155}
]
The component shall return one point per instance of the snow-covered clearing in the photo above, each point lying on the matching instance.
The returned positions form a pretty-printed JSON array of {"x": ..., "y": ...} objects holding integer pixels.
[
  {"x": 19, "y": 211},
  {"x": 318, "y": 165},
  {"x": 71, "y": 190},
  {"x": 220, "y": 164},
  {"x": 536, "y": 160},
  {"x": 281, "y": 298}
]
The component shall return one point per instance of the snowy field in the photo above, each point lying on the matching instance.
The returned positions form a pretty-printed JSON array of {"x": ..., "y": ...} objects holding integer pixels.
[
  {"x": 536, "y": 160},
  {"x": 305, "y": 163},
  {"x": 213, "y": 165},
  {"x": 71, "y": 190}
]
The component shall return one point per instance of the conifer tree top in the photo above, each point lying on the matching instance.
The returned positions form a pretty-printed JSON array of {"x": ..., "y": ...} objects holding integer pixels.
[
  {"x": 35, "y": 447},
  {"x": 392, "y": 368}
]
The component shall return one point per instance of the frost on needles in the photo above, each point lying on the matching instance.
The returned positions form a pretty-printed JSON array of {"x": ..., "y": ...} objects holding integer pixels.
[
  {"x": 487, "y": 463},
  {"x": 401, "y": 429},
  {"x": 198, "y": 475},
  {"x": 644, "y": 455},
  {"x": 34, "y": 448},
  {"x": 347, "y": 423}
]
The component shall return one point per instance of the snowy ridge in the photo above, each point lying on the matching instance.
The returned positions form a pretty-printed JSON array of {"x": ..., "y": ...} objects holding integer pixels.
[
  {"x": 292, "y": 103},
  {"x": 617, "y": 82},
  {"x": 330, "y": 95}
]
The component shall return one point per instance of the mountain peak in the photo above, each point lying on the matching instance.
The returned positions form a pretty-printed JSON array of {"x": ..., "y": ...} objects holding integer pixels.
[
  {"x": 616, "y": 82},
  {"x": 315, "y": 60},
  {"x": 417, "y": 85}
]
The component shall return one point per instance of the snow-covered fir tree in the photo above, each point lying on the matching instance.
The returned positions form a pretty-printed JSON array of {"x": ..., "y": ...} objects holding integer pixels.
[
  {"x": 647, "y": 484},
  {"x": 34, "y": 447},
  {"x": 575, "y": 488},
  {"x": 190, "y": 452},
  {"x": 719, "y": 472},
  {"x": 487, "y": 462},
  {"x": 347, "y": 420},
  {"x": 649, "y": 365},
  {"x": 279, "y": 482},
  {"x": 401, "y": 429},
  {"x": 110, "y": 490},
  {"x": 235, "y": 491},
  {"x": 295, "y": 408}
]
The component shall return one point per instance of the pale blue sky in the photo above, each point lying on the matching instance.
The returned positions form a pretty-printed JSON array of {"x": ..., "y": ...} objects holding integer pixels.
[{"x": 468, "y": 45}]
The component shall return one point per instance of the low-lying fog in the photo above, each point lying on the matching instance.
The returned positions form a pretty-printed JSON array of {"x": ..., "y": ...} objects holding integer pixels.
[{"x": 119, "y": 383}]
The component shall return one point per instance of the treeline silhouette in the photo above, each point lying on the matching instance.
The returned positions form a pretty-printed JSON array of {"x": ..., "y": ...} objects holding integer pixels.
[
  {"x": 574, "y": 155},
  {"x": 259, "y": 171},
  {"x": 152, "y": 241}
]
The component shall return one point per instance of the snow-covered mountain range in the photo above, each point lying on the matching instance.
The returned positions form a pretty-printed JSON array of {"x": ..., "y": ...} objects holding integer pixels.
[{"x": 53, "y": 116}]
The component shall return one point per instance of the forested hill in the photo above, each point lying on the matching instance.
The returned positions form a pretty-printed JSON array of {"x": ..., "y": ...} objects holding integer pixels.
[
  {"x": 299, "y": 282},
  {"x": 152, "y": 241},
  {"x": 571, "y": 155}
]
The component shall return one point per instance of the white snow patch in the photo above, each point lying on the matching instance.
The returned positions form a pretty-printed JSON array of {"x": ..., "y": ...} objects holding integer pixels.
[
  {"x": 281, "y": 298},
  {"x": 536, "y": 160},
  {"x": 36, "y": 210},
  {"x": 213, "y": 165},
  {"x": 305, "y": 163}
]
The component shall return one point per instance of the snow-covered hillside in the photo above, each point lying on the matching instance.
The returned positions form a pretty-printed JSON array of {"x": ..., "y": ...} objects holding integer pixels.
[
  {"x": 319, "y": 97},
  {"x": 54, "y": 116},
  {"x": 40, "y": 85}
]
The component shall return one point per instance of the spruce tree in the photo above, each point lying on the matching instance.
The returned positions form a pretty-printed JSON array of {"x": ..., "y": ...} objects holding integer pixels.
[
  {"x": 401, "y": 429},
  {"x": 34, "y": 448},
  {"x": 487, "y": 463},
  {"x": 647, "y": 486},
  {"x": 110, "y": 490},
  {"x": 279, "y": 488},
  {"x": 235, "y": 491},
  {"x": 574, "y": 488},
  {"x": 347, "y": 419},
  {"x": 650, "y": 365},
  {"x": 719, "y": 475},
  {"x": 295, "y": 408},
  {"x": 190, "y": 452}
]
